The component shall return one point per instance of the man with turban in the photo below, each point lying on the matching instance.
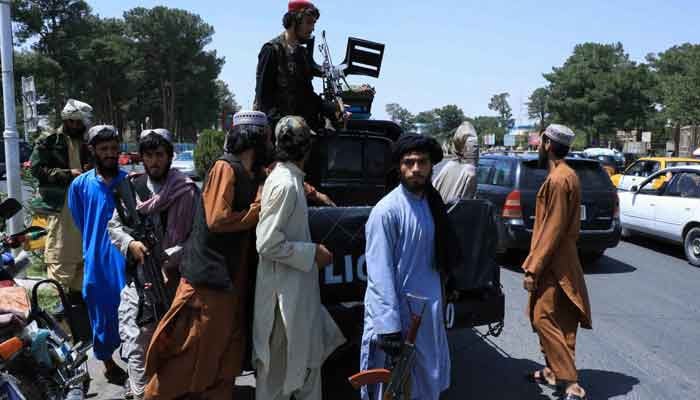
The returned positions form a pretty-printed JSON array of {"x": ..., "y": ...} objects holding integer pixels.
[
  {"x": 406, "y": 254},
  {"x": 59, "y": 157},
  {"x": 456, "y": 179}
]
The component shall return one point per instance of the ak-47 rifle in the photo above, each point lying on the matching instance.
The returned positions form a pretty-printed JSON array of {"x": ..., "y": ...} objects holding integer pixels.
[
  {"x": 333, "y": 79},
  {"x": 395, "y": 380},
  {"x": 155, "y": 297}
]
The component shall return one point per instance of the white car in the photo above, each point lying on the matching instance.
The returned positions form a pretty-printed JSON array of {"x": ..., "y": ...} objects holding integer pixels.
[
  {"x": 670, "y": 213},
  {"x": 185, "y": 163}
]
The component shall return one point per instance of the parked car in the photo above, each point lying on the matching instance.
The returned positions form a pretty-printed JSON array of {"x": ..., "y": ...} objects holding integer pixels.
[
  {"x": 639, "y": 170},
  {"x": 670, "y": 212},
  {"x": 185, "y": 163},
  {"x": 511, "y": 184},
  {"x": 25, "y": 151}
]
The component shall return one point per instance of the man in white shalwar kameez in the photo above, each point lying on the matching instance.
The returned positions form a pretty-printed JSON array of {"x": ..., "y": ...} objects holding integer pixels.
[
  {"x": 293, "y": 333},
  {"x": 402, "y": 258}
]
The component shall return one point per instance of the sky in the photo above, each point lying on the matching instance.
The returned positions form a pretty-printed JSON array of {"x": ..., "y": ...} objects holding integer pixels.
[{"x": 443, "y": 52}]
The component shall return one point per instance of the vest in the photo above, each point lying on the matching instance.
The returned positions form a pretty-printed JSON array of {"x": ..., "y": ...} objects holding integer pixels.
[
  {"x": 211, "y": 258},
  {"x": 294, "y": 87}
]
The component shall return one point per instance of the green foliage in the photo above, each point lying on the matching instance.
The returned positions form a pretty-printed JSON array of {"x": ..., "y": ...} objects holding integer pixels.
[
  {"x": 499, "y": 103},
  {"x": 401, "y": 116},
  {"x": 210, "y": 146},
  {"x": 599, "y": 89},
  {"x": 488, "y": 125},
  {"x": 538, "y": 108},
  {"x": 149, "y": 68},
  {"x": 450, "y": 117},
  {"x": 678, "y": 72}
]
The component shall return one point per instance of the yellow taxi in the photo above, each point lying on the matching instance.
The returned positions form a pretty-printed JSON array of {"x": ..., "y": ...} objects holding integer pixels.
[{"x": 645, "y": 166}]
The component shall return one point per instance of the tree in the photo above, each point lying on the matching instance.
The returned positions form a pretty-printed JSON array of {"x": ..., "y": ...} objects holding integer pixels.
[
  {"x": 429, "y": 121},
  {"x": 488, "y": 125},
  {"x": 537, "y": 107},
  {"x": 599, "y": 90},
  {"x": 180, "y": 76},
  {"x": 209, "y": 146},
  {"x": 450, "y": 117},
  {"x": 678, "y": 72},
  {"x": 401, "y": 116},
  {"x": 499, "y": 103}
]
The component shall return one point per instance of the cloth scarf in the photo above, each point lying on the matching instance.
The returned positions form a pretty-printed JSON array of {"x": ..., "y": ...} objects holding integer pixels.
[{"x": 177, "y": 196}]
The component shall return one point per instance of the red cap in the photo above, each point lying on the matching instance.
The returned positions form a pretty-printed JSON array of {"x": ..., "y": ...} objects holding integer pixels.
[{"x": 298, "y": 5}]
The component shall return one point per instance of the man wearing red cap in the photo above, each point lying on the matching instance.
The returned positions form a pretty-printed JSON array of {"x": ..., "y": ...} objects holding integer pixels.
[{"x": 285, "y": 70}]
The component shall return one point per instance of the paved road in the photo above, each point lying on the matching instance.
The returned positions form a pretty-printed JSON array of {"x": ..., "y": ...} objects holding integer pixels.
[{"x": 646, "y": 317}]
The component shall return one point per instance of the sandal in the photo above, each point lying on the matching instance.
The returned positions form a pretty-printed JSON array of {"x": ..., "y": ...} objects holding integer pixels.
[{"x": 538, "y": 378}]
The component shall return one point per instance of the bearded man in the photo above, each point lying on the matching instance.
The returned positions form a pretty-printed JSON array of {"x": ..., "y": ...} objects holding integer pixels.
[
  {"x": 58, "y": 158},
  {"x": 92, "y": 205},
  {"x": 553, "y": 275},
  {"x": 406, "y": 254}
]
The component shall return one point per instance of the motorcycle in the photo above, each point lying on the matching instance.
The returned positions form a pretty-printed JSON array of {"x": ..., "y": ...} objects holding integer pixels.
[{"x": 38, "y": 359}]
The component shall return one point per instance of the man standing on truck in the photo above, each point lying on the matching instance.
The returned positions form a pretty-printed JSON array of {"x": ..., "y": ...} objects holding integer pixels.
[
  {"x": 166, "y": 198},
  {"x": 57, "y": 159},
  {"x": 553, "y": 275},
  {"x": 286, "y": 68},
  {"x": 406, "y": 252},
  {"x": 456, "y": 178},
  {"x": 293, "y": 333},
  {"x": 199, "y": 346}
]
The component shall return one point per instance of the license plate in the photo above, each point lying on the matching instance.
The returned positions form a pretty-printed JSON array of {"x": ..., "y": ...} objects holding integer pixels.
[{"x": 583, "y": 213}]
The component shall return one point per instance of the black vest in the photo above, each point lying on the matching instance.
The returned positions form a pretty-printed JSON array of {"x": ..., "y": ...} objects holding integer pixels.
[
  {"x": 211, "y": 258},
  {"x": 294, "y": 94}
]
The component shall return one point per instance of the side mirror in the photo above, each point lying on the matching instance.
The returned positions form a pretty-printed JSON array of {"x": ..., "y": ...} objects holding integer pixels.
[{"x": 634, "y": 188}]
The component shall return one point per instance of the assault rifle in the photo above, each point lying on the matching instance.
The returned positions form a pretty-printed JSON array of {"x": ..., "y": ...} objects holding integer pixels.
[
  {"x": 155, "y": 297},
  {"x": 395, "y": 380}
]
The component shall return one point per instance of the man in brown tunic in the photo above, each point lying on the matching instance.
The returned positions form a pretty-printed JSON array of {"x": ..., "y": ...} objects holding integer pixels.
[
  {"x": 553, "y": 274},
  {"x": 199, "y": 346}
]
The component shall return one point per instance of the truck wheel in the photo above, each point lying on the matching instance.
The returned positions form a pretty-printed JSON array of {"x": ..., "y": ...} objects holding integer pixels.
[
  {"x": 591, "y": 257},
  {"x": 692, "y": 246}
]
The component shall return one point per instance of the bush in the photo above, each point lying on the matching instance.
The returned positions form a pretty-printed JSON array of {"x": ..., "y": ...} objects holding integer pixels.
[{"x": 210, "y": 146}]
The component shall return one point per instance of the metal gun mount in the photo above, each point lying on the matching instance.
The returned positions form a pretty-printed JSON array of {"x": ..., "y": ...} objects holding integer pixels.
[{"x": 362, "y": 57}]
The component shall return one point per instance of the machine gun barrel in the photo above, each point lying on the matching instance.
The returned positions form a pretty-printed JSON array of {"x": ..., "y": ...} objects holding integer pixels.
[{"x": 158, "y": 296}]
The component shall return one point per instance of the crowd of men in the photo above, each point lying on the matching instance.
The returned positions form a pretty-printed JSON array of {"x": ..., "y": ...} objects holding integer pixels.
[{"x": 195, "y": 286}]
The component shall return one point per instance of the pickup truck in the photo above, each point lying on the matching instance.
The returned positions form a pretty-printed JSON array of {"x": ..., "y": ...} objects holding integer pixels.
[{"x": 352, "y": 166}]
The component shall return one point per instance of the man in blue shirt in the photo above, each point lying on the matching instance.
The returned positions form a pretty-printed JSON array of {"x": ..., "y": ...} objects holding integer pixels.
[
  {"x": 403, "y": 257},
  {"x": 92, "y": 204}
]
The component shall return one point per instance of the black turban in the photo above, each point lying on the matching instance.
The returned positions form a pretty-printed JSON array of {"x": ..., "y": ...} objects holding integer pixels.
[{"x": 418, "y": 143}]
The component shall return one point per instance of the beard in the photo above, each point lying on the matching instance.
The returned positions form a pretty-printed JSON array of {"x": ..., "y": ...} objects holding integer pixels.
[
  {"x": 107, "y": 168},
  {"x": 158, "y": 176},
  {"x": 543, "y": 158},
  {"x": 414, "y": 186}
]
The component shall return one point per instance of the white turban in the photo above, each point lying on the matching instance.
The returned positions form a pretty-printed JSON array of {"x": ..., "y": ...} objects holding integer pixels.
[{"x": 79, "y": 111}]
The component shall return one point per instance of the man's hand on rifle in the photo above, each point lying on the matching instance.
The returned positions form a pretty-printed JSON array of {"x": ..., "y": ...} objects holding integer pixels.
[
  {"x": 323, "y": 256},
  {"x": 138, "y": 250},
  {"x": 390, "y": 343}
]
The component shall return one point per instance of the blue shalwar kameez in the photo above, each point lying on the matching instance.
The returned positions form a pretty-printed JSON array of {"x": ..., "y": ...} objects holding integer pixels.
[
  {"x": 92, "y": 204},
  {"x": 400, "y": 256}
]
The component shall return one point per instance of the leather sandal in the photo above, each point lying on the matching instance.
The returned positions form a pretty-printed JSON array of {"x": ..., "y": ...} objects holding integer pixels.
[{"x": 540, "y": 380}]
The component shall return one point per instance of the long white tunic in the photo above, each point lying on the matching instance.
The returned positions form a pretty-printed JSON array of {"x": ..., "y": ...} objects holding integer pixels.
[{"x": 288, "y": 278}]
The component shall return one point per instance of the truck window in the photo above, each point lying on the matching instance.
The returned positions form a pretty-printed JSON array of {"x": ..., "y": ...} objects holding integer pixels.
[
  {"x": 344, "y": 158},
  {"x": 378, "y": 156}
]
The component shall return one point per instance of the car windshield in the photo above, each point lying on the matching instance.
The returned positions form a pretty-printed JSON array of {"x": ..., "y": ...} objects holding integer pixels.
[
  {"x": 184, "y": 156},
  {"x": 590, "y": 174}
]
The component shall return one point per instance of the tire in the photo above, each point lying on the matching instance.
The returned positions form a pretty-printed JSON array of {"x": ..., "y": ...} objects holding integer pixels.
[
  {"x": 591, "y": 257},
  {"x": 625, "y": 233},
  {"x": 691, "y": 245}
]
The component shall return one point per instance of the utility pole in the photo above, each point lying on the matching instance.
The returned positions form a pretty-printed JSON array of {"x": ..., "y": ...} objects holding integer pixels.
[{"x": 14, "y": 183}]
